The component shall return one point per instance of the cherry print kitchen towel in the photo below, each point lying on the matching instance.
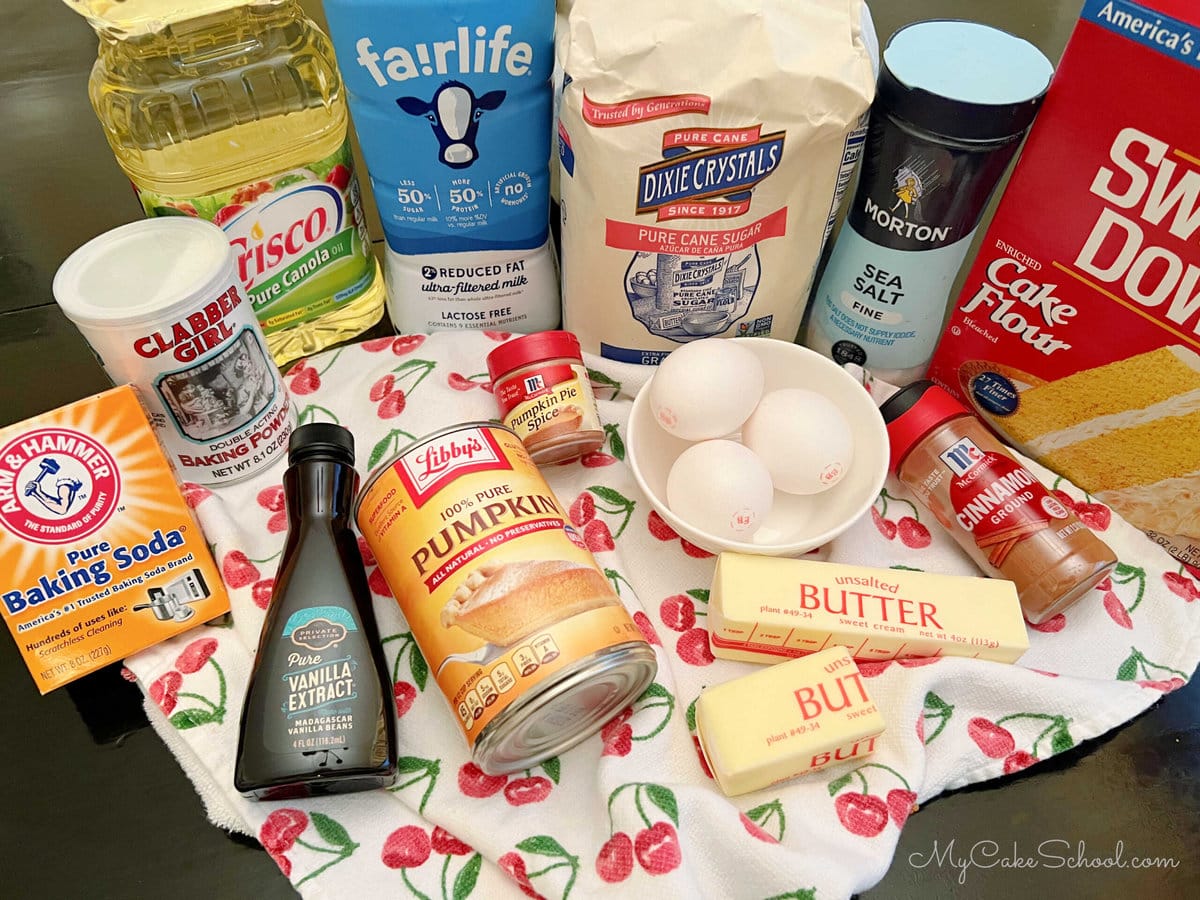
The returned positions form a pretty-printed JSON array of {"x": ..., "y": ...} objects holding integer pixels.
[{"x": 631, "y": 811}]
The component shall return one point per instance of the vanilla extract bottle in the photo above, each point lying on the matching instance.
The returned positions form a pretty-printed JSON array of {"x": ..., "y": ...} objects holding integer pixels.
[{"x": 317, "y": 717}]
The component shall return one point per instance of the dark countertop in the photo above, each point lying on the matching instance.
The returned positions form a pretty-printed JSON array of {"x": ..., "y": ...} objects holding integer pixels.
[{"x": 96, "y": 805}]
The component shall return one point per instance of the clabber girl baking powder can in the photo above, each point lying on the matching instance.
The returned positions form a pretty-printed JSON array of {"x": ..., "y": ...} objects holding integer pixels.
[
  {"x": 162, "y": 307},
  {"x": 522, "y": 630}
]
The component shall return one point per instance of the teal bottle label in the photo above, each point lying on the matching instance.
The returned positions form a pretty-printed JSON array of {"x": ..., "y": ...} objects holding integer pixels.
[{"x": 883, "y": 308}]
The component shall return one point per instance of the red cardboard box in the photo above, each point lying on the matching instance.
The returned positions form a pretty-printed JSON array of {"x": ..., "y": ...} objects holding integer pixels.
[{"x": 1077, "y": 335}]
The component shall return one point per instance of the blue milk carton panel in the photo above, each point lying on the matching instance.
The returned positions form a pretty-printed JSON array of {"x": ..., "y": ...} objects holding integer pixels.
[{"x": 452, "y": 102}]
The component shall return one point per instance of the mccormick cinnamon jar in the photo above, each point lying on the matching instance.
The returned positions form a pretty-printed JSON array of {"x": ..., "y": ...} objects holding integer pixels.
[
  {"x": 542, "y": 387},
  {"x": 993, "y": 506}
]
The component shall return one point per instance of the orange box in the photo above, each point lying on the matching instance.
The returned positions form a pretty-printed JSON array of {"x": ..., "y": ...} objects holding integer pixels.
[{"x": 99, "y": 554}]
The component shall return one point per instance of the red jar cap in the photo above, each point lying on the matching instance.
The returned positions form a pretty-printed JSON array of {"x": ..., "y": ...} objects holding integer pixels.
[
  {"x": 914, "y": 411},
  {"x": 532, "y": 348}
]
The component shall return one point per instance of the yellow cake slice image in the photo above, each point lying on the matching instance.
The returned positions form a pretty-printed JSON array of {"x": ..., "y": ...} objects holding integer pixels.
[
  {"x": 1127, "y": 432},
  {"x": 503, "y": 603}
]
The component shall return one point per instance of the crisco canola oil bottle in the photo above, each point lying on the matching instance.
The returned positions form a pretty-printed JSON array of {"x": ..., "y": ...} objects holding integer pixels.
[{"x": 234, "y": 111}]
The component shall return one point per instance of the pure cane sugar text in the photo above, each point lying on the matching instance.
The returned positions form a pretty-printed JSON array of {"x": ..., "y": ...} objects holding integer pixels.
[
  {"x": 767, "y": 609},
  {"x": 786, "y": 720},
  {"x": 99, "y": 552}
]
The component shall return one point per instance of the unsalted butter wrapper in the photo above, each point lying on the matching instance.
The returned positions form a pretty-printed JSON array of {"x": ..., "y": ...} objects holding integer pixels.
[
  {"x": 767, "y": 609},
  {"x": 785, "y": 721}
]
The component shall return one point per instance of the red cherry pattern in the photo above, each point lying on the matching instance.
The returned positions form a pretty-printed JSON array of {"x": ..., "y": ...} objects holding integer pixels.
[
  {"x": 678, "y": 612},
  {"x": 474, "y": 782},
  {"x": 597, "y": 459},
  {"x": 514, "y": 865},
  {"x": 1017, "y": 761},
  {"x": 163, "y": 690},
  {"x": 406, "y": 343},
  {"x": 406, "y": 848},
  {"x": 281, "y": 829},
  {"x": 657, "y": 848},
  {"x": 755, "y": 830},
  {"x": 583, "y": 510},
  {"x": 646, "y": 627},
  {"x": 1181, "y": 586},
  {"x": 404, "y": 694},
  {"x": 194, "y": 494},
  {"x": 304, "y": 379},
  {"x": 364, "y": 550},
  {"x": 900, "y": 804},
  {"x": 195, "y": 655},
  {"x": 238, "y": 571},
  {"x": 260, "y": 593},
  {"x": 862, "y": 814},
  {"x": 913, "y": 533},
  {"x": 531, "y": 789},
  {"x": 378, "y": 584},
  {"x": 382, "y": 387},
  {"x": 446, "y": 844},
  {"x": 614, "y": 862},
  {"x": 460, "y": 382},
  {"x": 392, "y": 405},
  {"x": 1171, "y": 684},
  {"x": 597, "y": 536},
  {"x": 619, "y": 741},
  {"x": 886, "y": 527},
  {"x": 1052, "y": 625},
  {"x": 693, "y": 648},
  {"x": 994, "y": 740},
  {"x": 659, "y": 528},
  {"x": 1116, "y": 611}
]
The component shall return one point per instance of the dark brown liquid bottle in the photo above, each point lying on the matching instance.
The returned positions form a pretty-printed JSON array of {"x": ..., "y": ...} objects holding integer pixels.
[{"x": 317, "y": 717}]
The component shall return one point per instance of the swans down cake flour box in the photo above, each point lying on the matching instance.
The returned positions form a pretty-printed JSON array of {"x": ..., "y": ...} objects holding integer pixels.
[
  {"x": 1077, "y": 335},
  {"x": 100, "y": 556}
]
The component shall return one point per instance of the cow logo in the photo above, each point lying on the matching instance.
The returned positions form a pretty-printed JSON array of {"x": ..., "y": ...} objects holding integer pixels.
[
  {"x": 56, "y": 486},
  {"x": 454, "y": 113}
]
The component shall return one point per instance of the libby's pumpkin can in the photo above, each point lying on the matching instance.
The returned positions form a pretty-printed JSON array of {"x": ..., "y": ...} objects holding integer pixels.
[{"x": 522, "y": 630}]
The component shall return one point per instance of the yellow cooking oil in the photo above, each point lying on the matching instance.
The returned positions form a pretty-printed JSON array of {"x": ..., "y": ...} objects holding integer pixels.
[{"x": 235, "y": 112}]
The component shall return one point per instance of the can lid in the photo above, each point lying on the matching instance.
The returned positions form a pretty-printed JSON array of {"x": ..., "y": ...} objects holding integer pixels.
[
  {"x": 963, "y": 80},
  {"x": 531, "y": 348},
  {"x": 145, "y": 271},
  {"x": 914, "y": 411},
  {"x": 321, "y": 440}
]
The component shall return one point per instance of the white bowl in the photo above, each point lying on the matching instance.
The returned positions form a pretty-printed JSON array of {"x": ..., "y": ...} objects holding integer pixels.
[{"x": 796, "y": 523}]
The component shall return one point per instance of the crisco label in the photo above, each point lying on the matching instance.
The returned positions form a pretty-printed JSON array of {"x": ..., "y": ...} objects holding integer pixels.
[{"x": 299, "y": 237}]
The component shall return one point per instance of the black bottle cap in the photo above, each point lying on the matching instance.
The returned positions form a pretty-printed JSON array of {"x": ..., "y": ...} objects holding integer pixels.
[{"x": 321, "y": 440}]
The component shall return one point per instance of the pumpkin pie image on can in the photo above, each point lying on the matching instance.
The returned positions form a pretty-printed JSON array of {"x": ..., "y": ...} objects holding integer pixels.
[{"x": 525, "y": 636}]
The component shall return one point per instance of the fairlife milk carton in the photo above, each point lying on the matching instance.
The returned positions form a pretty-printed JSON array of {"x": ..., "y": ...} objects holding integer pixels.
[{"x": 452, "y": 102}]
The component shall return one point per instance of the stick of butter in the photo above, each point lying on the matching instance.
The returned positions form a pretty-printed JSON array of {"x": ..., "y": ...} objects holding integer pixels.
[
  {"x": 787, "y": 720},
  {"x": 767, "y": 609}
]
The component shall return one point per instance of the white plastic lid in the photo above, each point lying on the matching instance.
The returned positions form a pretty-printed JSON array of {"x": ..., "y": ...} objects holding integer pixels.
[{"x": 144, "y": 271}]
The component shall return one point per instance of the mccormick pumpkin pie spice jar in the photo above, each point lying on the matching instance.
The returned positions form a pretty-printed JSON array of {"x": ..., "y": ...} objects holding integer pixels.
[
  {"x": 545, "y": 396},
  {"x": 993, "y": 506}
]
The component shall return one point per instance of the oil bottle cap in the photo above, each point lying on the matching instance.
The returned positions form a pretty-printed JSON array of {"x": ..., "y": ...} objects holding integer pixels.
[
  {"x": 914, "y": 411},
  {"x": 321, "y": 440}
]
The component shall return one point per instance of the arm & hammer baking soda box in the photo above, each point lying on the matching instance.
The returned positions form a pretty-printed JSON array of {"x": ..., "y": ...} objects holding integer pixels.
[
  {"x": 1077, "y": 334},
  {"x": 99, "y": 553}
]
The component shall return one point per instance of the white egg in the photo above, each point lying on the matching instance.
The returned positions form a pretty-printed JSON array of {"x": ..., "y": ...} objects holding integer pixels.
[
  {"x": 720, "y": 487},
  {"x": 803, "y": 438},
  {"x": 706, "y": 389}
]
